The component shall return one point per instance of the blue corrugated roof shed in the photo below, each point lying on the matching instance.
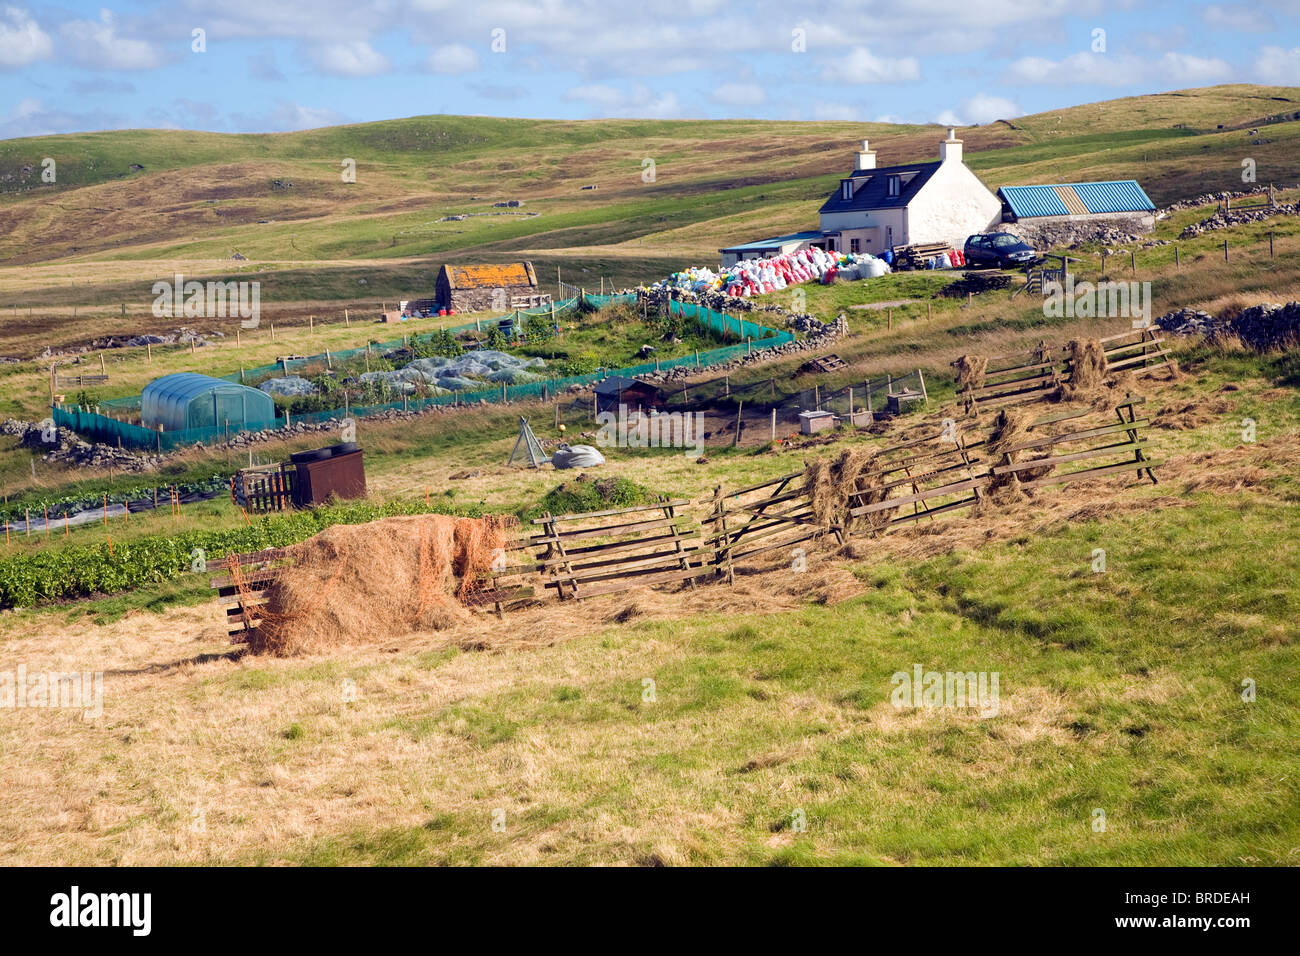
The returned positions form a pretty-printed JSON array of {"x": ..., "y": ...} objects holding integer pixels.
[{"x": 1121, "y": 195}]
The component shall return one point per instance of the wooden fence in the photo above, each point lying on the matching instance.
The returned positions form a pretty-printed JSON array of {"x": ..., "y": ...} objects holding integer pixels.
[
  {"x": 265, "y": 488},
  {"x": 679, "y": 542},
  {"x": 1014, "y": 378},
  {"x": 751, "y": 521},
  {"x": 1034, "y": 375},
  {"x": 584, "y": 555}
]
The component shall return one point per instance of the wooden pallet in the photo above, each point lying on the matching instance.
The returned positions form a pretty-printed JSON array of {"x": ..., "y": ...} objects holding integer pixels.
[
  {"x": 827, "y": 363},
  {"x": 916, "y": 255},
  {"x": 242, "y": 590}
]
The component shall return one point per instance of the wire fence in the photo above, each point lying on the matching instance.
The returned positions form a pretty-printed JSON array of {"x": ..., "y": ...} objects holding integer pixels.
[{"x": 112, "y": 430}]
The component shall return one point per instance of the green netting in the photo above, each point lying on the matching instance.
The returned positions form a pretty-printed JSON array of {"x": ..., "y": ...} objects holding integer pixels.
[{"x": 111, "y": 431}]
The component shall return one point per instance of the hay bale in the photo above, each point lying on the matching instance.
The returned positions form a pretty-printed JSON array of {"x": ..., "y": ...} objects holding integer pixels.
[
  {"x": 1087, "y": 370},
  {"x": 971, "y": 370},
  {"x": 376, "y": 581}
]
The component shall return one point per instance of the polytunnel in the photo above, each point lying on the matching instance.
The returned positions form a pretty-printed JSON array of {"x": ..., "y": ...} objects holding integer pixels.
[{"x": 190, "y": 400}]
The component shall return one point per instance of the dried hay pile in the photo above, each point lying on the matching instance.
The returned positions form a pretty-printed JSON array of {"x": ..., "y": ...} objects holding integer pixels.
[
  {"x": 1011, "y": 429},
  {"x": 970, "y": 371},
  {"x": 375, "y": 581},
  {"x": 1087, "y": 370},
  {"x": 832, "y": 485}
]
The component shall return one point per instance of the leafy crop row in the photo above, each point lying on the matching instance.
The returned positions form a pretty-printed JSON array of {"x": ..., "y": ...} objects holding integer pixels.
[{"x": 72, "y": 572}]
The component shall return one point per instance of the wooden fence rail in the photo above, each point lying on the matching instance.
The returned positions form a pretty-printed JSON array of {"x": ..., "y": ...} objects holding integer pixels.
[{"x": 675, "y": 541}]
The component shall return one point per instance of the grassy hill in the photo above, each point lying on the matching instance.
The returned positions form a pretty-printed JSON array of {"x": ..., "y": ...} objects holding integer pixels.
[{"x": 154, "y": 194}]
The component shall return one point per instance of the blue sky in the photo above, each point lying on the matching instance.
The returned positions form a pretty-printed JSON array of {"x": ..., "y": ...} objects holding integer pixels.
[{"x": 271, "y": 66}]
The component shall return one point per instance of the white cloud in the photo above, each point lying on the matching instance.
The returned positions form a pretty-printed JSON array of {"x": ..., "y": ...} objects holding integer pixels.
[
  {"x": 837, "y": 112},
  {"x": 740, "y": 94},
  {"x": 1185, "y": 68},
  {"x": 1238, "y": 17},
  {"x": 1278, "y": 66},
  {"x": 453, "y": 58},
  {"x": 31, "y": 117},
  {"x": 286, "y": 116},
  {"x": 22, "y": 41},
  {"x": 1117, "y": 69},
  {"x": 354, "y": 58},
  {"x": 597, "y": 94},
  {"x": 983, "y": 108},
  {"x": 863, "y": 66},
  {"x": 99, "y": 44},
  {"x": 639, "y": 102}
]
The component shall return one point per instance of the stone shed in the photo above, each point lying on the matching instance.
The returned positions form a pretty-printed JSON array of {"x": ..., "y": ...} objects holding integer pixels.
[{"x": 494, "y": 288}]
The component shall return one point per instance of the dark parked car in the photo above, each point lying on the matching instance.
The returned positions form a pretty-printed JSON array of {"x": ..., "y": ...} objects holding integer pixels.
[{"x": 1000, "y": 249}]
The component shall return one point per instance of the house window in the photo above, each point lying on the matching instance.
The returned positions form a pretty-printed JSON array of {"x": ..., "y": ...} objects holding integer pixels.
[
  {"x": 895, "y": 183},
  {"x": 854, "y": 245},
  {"x": 846, "y": 189}
]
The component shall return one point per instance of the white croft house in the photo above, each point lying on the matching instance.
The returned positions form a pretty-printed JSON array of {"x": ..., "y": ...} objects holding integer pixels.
[{"x": 879, "y": 207}]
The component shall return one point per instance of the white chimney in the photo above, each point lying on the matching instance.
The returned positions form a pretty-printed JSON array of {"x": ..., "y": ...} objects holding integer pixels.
[
  {"x": 950, "y": 148},
  {"x": 866, "y": 157}
]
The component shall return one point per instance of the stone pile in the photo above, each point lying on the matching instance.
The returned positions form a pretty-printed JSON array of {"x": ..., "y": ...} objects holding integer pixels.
[
  {"x": 1237, "y": 217},
  {"x": 1269, "y": 325},
  {"x": 70, "y": 450}
]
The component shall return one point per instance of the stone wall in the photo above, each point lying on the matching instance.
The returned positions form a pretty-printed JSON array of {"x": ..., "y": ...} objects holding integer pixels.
[{"x": 1073, "y": 232}]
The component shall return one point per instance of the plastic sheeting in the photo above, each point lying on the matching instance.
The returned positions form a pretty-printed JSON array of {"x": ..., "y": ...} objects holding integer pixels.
[
  {"x": 288, "y": 385},
  {"x": 759, "y": 276},
  {"x": 576, "y": 456},
  {"x": 465, "y": 373}
]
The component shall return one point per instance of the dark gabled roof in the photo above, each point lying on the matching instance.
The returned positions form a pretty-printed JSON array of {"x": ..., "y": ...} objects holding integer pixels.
[
  {"x": 871, "y": 188},
  {"x": 617, "y": 384}
]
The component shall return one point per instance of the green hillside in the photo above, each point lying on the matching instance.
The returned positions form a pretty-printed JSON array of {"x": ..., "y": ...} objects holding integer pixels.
[{"x": 201, "y": 195}]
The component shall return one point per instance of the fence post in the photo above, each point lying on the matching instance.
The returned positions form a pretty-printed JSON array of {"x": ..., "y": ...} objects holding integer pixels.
[
  {"x": 921, "y": 378},
  {"x": 1175, "y": 257},
  {"x": 1225, "y": 250},
  {"x": 773, "y": 424},
  {"x": 1270, "y": 243},
  {"x": 1133, "y": 261},
  {"x": 735, "y": 441}
]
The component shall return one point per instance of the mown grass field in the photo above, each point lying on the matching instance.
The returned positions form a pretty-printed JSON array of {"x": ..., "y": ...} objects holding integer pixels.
[{"x": 1120, "y": 691}]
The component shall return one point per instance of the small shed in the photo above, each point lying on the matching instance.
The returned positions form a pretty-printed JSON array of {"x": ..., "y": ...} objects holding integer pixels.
[
  {"x": 633, "y": 393},
  {"x": 485, "y": 288},
  {"x": 190, "y": 400}
]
